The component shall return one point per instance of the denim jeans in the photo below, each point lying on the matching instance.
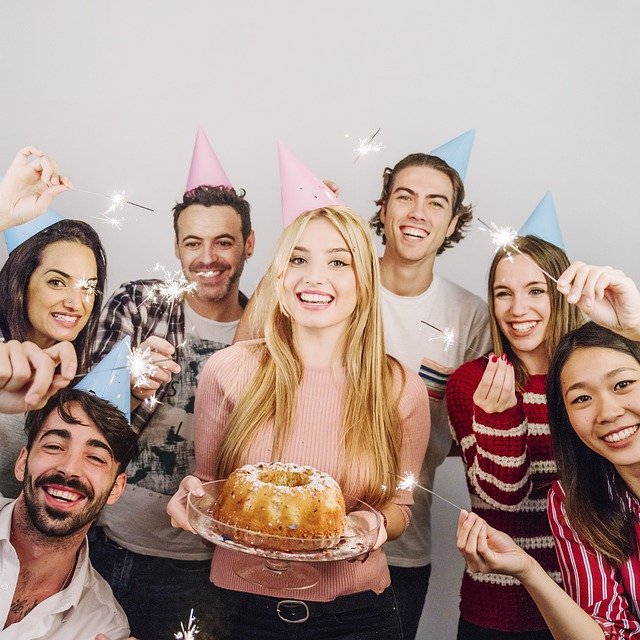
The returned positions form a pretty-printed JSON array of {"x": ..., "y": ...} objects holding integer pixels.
[
  {"x": 410, "y": 586},
  {"x": 157, "y": 594},
  {"x": 468, "y": 631},
  {"x": 360, "y": 616}
]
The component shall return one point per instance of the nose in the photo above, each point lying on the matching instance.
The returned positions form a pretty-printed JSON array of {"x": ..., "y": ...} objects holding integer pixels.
[
  {"x": 519, "y": 304},
  {"x": 70, "y": 465},
  {"x": 314, "y": 274},
  {"x": 417, "y": 211},
  {"x": 75, "y": 298},
  {"x": 609, "y": 408}
]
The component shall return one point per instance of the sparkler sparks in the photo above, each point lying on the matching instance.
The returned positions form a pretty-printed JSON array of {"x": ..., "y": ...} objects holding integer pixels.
[
  {"x": 448, "y": 337},
  {"x": 89, "y": 285},
  {"x": 173, "y": 287},
  {"x": 118, "y": 201},
  {"x": 408, "y": 482},
  {"x": 190, "y": 632},
  {"x": 505, "y": 238},
  {"x": 366, "y": 145},
  {"x": 140, "y": 365}
]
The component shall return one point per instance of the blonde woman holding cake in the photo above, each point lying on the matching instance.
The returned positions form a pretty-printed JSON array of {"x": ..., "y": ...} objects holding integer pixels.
[{"x": 318, "y": 390}]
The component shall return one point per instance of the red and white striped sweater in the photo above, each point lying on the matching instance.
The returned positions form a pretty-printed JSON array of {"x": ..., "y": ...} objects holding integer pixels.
[{"x": 509, "y": 464}]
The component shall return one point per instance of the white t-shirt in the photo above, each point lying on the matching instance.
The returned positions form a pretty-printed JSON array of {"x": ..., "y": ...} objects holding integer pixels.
[
  {"x": 139, "y": 520},
  {"x": 80, "y": 612},
  {"x": 421, "y": 348}
]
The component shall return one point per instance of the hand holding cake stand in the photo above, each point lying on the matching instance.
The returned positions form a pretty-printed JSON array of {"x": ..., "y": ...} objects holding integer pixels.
[{"x": 281, "y": 562}]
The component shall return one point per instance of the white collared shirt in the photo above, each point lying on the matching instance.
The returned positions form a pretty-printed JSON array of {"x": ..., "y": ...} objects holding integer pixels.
[{"x": 79, "y": 612}]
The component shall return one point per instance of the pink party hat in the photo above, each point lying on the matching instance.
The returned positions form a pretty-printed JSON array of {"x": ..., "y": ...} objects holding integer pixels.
[
  {"x": 301, "y": 191},
  {"x": 205, "y": 167}
]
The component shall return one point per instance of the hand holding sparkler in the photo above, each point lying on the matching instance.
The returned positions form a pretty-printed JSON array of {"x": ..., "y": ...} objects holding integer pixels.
[
  {"x": 151, "y": 366},
  {"x": 496, "y": 391},
  {"x": 606, "y": 295},
  {"x": 28, "y": 187}
]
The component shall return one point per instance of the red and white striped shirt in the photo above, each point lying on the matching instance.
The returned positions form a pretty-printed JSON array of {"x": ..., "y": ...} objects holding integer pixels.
[{"x": 607, "y": 593}]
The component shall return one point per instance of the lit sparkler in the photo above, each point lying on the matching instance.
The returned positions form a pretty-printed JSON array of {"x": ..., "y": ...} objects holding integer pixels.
[
  {"x": 172, "y": 288},
  {"x": 89, "y": 286},
  {"x": 408, "y": 482},
  {"x": 505, "y": 238},
  {"x": 448, "y": 337},
  {"x": 190, "y": 632},
  {"x": 118, "y": 201},
  {"x": 140, "y": 365},
  {"x": 151, "y": 402},
  {"x": 366, "y": 145}
]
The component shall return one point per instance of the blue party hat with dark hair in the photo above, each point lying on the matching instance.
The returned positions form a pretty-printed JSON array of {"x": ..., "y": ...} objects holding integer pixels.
[
  {"x": 109, "y": 379},
  {"x": 15, "y": 236},
  {"x": 456, "y": 152},
  {"x": 543, "y": 223}
]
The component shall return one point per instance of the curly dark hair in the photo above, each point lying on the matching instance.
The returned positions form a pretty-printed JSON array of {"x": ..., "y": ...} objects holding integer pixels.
[
  {"x": 209, "y": 196},
  {"x": 111, "y": 422},
  {"x": 463, "y": 211},
  {"x": 25, "y": 259}
]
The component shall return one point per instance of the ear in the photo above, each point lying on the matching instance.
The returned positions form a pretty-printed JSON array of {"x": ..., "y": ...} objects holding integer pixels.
[
  {"x": 175, "y": 248},
  {"x": 118, "y": 488},
  {"x": 21, "y": 464},
  {"x": 452, "y": 225},
  {"x": 383, "y": 212},
  {"x": 249, "y": 245}
]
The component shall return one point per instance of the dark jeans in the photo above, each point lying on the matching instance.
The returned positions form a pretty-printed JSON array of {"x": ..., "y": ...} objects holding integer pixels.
[
  {"x": 410, "y": 586},
  {"x": 360, "y": 616},
  {"x": 468, "y": 631},
  {"x": 157, "y": 594}
]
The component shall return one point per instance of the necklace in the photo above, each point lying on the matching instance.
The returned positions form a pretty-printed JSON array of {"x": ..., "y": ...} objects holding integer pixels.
[{"x": 67, "y": 578}]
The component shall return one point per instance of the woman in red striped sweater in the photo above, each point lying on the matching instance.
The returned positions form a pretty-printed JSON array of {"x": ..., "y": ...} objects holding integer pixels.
[
  {"x": 498, "y": 414},
  {"x": 594, "y": 411}
]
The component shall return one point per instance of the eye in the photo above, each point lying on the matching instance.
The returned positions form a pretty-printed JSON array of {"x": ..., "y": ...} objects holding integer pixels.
[
  {"x": 97, "y": 459},
  {"x": 52, "y": 447},
  {"x": 339, "y": 263},
  {"x": 403, "y": 196},
  {"x": 297, "y": 261},
  {"x": 436, "y": 203},
  {"x": 581, "y": 399},
  {"x": 57, "y": 283},
  {"x": 192, "y": 244},
  {"x": 537, "y": 291},
  {"x": 623, "y": 384},
  {"x": 502, "y": 294},
  {"x": 225, "y": 244}
]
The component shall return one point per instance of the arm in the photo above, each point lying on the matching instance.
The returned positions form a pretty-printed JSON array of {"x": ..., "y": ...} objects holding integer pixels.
[
  {"x": 606, "y": 295},
  {"x": 487, "y": 550},
  {"x": 588, "y": 577},
  {"x": 28, "y": 187},
  {"x": 489, "y": 423}
]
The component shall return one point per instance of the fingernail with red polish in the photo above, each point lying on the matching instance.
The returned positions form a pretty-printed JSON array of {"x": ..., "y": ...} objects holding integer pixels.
[
  {"x": 504, "y": 357},
  {"x": 494, "y": 358}
]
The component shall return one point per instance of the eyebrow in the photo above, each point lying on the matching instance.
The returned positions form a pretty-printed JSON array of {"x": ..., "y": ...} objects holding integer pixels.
[
  {"x": 413, "y": 193},
  {"x": 70, "y": 277},
  {"x": 195, "y": 237},
  {"x": 611, "y": 374},
  {"x": 529, "y": 284},
  {"x": 65, "y": 434},
  {"x": 336, "y": 250}
]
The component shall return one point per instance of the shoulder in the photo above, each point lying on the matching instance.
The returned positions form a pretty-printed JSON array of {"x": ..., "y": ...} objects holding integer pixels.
[{"x": 236, "y": 357}]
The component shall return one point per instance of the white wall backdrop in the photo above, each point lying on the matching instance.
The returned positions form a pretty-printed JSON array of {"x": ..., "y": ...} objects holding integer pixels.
[{"x": 115, "y": 92}]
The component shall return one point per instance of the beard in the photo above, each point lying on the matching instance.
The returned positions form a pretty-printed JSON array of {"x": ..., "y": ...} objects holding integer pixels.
[
  {"x": 58, "y": 523},
  {"x": 218, "y": 292}
]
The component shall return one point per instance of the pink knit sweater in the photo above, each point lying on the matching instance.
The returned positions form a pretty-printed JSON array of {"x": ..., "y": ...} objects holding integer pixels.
[{"x": 316, "y": 441}]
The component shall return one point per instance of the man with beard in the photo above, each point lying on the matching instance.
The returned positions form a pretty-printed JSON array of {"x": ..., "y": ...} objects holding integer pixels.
[
  {"x": 159, "y": 573},
  {"x": 78, "y": 446}
]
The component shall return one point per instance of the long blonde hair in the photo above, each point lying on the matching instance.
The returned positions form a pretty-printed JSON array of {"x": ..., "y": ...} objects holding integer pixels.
[{"x": 372, "y": 429}]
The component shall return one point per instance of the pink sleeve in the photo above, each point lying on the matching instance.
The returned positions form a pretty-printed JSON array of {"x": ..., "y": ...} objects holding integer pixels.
[
  {"x": 494, "y": 445},
  {"x": 588, "y": 577}
]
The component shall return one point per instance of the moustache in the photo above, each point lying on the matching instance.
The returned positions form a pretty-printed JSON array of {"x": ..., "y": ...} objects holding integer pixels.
[
  {"x": 62, "y": 481},
  {"x": 211, "y": 266}
]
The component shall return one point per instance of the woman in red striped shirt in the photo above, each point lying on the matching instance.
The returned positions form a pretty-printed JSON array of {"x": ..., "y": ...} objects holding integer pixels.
[{"x": 594, "y": 511}]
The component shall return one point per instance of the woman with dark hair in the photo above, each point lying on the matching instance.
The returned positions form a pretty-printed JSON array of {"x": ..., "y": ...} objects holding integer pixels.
[
  {"x": 498, "y": 414},
  {"x": 52, "y": 286},
  {"x": 594, "y": 510}
]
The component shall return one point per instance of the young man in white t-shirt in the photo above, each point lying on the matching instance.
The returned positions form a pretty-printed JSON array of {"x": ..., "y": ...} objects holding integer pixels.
[
  {"x": 157, "y": 572},
  {"x": 421, "y": 213}
]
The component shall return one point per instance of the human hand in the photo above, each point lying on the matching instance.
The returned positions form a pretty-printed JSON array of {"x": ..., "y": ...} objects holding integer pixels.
[
  {"x": 28, "y": 375},
  {"x": 487, "y": 550},
  {"x": 496, "y": 391},
  {"x": 368, "y": 521},
  {"x": 177, "y": 506},
  {"x": 161, "y": 351},
  {"x": 335, "y": 188},
  {"x": 28, "y": 187},
  {"x": 606, "y": 295}
]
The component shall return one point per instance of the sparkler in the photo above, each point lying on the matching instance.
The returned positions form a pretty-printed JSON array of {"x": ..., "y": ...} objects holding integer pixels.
[
  {"x": 505, "y": 238},
  {"x": 172, "y": 288},
  {"x": 190, "y": 632},
  {"x": 448, "y": 338},
  {"x": 408, "y": 482},
  {"x": 140, "y": 365},
  {"x": 89, "y": 286},
  {"x": 118, "y": 201},
  {"x": 365, "y": 146}
]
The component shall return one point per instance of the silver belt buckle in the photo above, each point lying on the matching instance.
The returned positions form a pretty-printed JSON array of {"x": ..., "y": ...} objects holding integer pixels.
[{"x": 292, "y": 611}]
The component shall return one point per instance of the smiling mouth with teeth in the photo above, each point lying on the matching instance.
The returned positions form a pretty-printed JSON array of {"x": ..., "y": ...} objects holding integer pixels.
[
  {"x": 412, "y": 232},
  {"x": 619, "y": 436},
  {"x": 315, "y": 298},
  {"x": 521, "y": 327},
  {"x": 65, "y": 318},
  {"x": 65, "y": 496}
]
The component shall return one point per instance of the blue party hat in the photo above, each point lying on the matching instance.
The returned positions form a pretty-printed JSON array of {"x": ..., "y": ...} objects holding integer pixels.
[
  {"x": 109, "y": 379},
  {"x": 15, "y": 236},
  {"x": 456, "y": 152},
  {"x": 543, "y": 223}
]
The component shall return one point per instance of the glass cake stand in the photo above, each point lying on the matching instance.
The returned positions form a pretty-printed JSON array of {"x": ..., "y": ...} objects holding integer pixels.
[{"x": 281, "y": 562}]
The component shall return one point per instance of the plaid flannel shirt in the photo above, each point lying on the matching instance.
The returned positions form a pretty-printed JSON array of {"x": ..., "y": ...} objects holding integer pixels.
[{"x": 129, "y": 313}]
